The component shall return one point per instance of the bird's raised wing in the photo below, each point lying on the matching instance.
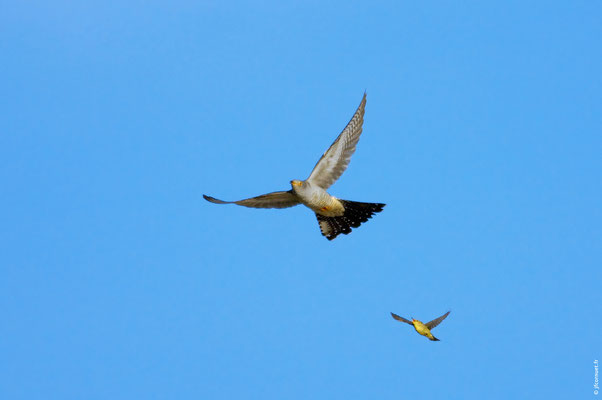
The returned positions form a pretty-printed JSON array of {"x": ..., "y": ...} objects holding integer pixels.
[
  {"x": 402, "y": 319},
  {"x": 436, "y": 321},
  {"x": 270, "y": 200},
  {"x": 336, "y": 159}
]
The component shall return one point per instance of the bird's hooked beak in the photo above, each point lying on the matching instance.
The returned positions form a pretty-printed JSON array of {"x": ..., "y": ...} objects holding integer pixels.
[{"x": 295, "y": 182}]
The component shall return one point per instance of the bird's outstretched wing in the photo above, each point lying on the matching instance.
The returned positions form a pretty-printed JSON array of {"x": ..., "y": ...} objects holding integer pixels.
[
  {"x": 270, "y": 200},
  {"x": 402, "y": 319},
  {"x": 336, "y": 159},
  {"x": 436, "y": 321}
]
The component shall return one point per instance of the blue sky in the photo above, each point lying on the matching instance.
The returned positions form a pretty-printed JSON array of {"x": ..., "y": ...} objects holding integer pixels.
[{"x": 482, "y": 134}]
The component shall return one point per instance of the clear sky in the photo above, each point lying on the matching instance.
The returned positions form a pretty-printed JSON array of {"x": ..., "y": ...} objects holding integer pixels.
[{"x": 482, "y": 133}]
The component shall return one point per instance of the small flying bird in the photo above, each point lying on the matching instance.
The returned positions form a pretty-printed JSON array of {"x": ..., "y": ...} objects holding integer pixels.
[
  {"x": 335, "y": 216},
  {"x": 423, "y": 329}
]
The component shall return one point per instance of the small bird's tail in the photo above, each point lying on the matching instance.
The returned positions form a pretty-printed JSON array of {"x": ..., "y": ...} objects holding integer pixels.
[
  {"x": 355, "y": 214},
  {"x": 434, "y": 339}
]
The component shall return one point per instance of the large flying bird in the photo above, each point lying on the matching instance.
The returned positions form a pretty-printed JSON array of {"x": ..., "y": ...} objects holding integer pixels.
[
  {"x": 335, "y": 215},
  {"x": 423, "y": 329}
]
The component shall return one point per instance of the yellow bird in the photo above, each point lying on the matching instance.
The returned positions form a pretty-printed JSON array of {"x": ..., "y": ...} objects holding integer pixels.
[{"x": 423, "y": 329}]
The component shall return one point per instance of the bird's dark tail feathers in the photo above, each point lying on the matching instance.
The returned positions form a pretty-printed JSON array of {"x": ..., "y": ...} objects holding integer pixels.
[
  {"x": 355, "y": 214},
  {"x": 434, "y": 339}
]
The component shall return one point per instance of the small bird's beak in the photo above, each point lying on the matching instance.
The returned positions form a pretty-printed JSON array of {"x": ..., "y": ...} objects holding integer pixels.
[{"x": 295, "y": 183}]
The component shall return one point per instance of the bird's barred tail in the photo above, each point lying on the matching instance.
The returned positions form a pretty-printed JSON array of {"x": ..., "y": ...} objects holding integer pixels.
[{"x": 355, "y": 214}]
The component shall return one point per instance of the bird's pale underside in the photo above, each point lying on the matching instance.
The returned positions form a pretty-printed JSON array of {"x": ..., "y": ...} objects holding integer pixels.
[
  {"x": 335, "y": 216},
  {"x": 423, "y": 329}
]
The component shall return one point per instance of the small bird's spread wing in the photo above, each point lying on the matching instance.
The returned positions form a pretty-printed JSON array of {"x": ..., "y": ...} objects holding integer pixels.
[
  {"x": 336, "y": 159},
  {"x": 270, "y": 200},
  {"x": 402, "y": 319},
  {"x": 436, "y": 321}
]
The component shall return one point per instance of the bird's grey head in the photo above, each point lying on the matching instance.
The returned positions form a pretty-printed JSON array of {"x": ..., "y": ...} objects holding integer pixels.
[{"x": 296, "y": 184}]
